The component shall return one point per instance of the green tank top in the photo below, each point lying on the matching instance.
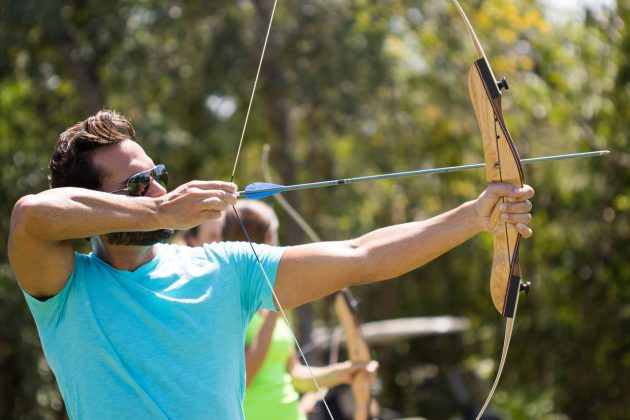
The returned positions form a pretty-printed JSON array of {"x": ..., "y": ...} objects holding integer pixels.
[{"x": 271, "y": 395}]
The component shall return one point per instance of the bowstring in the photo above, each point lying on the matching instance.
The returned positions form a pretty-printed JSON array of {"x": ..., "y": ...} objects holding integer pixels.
[
  {"x": 282, "y": 312},
  {"x": 251, "y": 98},
  {"x": 509, "y": 327},
  {"x": 249, "y": 241}
]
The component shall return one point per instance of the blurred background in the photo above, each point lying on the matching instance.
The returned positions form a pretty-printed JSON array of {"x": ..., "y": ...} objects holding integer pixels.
[{"x": 352, "y": 88}]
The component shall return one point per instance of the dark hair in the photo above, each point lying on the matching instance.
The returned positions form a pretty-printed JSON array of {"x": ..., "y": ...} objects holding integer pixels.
[
  {"x": 70, "y": 164},
  {"x": 258, "y": 218}
]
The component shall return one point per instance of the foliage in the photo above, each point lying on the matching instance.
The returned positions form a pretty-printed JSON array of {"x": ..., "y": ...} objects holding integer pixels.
[{"x": 349, "y": 89}]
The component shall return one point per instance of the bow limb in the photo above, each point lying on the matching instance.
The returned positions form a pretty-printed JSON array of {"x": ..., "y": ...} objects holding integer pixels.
[
  {"x": 358, "y": 351},
  {"x": 503, "y": 164},
  {"x": 345, "y": 308}
]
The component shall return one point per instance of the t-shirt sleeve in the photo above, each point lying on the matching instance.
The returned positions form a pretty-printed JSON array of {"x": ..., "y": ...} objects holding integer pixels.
[
  {"x": 49, "y": 313},
  {"x": 255, "y": 282}
]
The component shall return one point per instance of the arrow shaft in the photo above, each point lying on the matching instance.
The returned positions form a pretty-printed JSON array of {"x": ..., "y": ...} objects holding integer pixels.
[{"x": 343, "y": 181}]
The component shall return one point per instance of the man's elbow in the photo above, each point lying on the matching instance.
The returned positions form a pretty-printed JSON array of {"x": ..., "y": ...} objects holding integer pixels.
[
  {"x": 24, "y": 215},
  {"x": 21, "y": 213}
]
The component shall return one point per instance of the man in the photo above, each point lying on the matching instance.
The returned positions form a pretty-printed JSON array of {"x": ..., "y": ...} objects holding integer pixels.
[{"x": 150, "y": 330}]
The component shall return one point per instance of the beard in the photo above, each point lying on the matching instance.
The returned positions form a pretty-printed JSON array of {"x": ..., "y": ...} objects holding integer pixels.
[{"x": 140, "y": 238}]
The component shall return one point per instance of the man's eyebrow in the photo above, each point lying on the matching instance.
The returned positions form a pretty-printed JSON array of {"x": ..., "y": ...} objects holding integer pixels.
[
  {"x": 127, "y": 180},
  {"x": 137, "y": 173},
  {"x": 105, "y": 173}
]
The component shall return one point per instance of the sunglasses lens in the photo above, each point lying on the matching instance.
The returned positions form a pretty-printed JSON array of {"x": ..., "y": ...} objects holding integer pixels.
[
  {"x": 139, "y": 184},
  {"x": 161, "y": 176}
]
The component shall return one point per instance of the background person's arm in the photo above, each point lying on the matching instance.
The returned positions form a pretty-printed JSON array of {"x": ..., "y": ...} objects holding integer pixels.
[
  {"x": 256, "y": 351},
  {"x": 326, "y": 376}
]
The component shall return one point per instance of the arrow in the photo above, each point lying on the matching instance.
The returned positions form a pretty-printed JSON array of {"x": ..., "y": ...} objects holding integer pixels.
[{"x": 259, "y": 190}]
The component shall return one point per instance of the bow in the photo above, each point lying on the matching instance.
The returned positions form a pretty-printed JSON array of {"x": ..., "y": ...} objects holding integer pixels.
[
  {"x": 346, "y": 308},
  {"x": 503, "y": 164}
]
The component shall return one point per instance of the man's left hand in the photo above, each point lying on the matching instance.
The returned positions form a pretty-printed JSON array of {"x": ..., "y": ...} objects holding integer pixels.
[{"x": 515, "y": 210}]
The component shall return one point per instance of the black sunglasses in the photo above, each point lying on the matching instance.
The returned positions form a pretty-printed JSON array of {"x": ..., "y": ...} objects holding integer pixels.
[{"x": 138, "y": 184}]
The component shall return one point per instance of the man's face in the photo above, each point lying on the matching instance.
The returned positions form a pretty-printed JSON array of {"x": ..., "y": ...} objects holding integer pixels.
[{"x": 118, "y": 162}]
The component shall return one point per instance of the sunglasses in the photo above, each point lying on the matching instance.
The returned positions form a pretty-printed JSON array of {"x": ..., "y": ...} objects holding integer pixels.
[{"x": 138, "y": 184}]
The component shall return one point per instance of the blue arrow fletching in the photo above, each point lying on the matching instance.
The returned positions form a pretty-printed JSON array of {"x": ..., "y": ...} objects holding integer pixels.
[{"x": 259, "y": 190}]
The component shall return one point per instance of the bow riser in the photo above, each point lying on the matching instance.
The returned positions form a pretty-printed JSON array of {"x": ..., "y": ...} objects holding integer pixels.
[{"x": 502, "y": 165}]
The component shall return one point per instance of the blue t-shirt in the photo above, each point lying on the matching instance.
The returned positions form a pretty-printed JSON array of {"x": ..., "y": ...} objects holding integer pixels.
[{"x": 164, "y": 341}]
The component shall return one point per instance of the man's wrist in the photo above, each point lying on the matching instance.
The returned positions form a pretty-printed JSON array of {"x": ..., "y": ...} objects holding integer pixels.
[
  {"x": 157, "y": 214},
  {"x": 474, "y": 221}
]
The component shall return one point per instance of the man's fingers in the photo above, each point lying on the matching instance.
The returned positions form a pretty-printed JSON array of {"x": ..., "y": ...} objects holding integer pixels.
[
  {"x": 218, "y": 202},
  {"x": 523, "y": 218},
  {"x": 196, "y": 201},
  {"x": 520, "y": 221},
  {"x": 524, "y": 230},
  {"x": 508, "y": 190},
  {"x": 229, "y": 197},
  {"x": 211, "y": 214},
  {"x": 516, "y": 212},
  {"x": 207, "y": 190},
  {"x": 215, "y": 197},
  {"x": 516, "y": 207},
  {"x": 229, "y": 187}
]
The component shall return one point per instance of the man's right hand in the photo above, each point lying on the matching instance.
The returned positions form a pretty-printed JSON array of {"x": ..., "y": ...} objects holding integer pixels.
[{"x": 194, "y": 202}]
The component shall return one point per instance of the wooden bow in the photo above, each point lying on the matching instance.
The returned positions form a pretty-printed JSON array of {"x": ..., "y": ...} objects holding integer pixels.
[
  {"x": 346, "y": 308},
  {"x": 358, "y": 351},
  {"x": 503, "y": 164}
]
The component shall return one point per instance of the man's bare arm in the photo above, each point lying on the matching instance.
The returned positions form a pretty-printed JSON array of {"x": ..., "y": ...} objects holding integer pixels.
[
  {"x": 309, "y": 272},
  {"x": 43, "y": 225}
]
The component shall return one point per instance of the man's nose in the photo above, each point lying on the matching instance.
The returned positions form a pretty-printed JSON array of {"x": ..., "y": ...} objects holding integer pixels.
[{"x": 156, "y": 189}]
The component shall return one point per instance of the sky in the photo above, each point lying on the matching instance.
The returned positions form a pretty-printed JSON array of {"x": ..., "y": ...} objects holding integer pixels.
[
  {"x": 577, "y": 4},
  {"x": 574, "y": 8}
]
